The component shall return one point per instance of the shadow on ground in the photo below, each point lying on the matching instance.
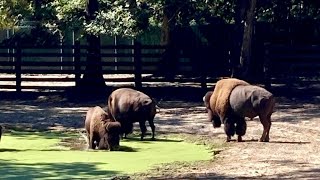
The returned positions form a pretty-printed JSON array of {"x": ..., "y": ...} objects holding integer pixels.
[
  {"x": 60, "y": 110},
  {"x": 13, "y": 170}
]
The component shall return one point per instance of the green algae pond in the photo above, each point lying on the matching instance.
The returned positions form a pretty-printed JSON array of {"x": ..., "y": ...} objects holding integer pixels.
[{"x": 48, "y": 155}]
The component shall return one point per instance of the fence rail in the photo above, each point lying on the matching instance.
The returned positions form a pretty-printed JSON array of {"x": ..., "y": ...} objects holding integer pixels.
[
  {"x": 134, "y": 59},
  {"x": 291, "y": 64}
]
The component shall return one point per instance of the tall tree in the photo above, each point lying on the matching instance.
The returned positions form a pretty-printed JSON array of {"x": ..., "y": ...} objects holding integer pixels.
[
  {"x": 241, "y": 7},
  {"x": 169, "y": 22},
  {"x": 246, "y": 49},
  {"x": 93, "y": 76},
  {"x": 245, "y": 12}
]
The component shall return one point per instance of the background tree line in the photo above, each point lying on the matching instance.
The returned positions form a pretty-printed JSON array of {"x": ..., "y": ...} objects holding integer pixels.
[{"x": 132, "y": 18}]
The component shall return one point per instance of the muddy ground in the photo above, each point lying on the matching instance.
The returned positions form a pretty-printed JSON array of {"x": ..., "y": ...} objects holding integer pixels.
[{"x": 292, "y": 153}]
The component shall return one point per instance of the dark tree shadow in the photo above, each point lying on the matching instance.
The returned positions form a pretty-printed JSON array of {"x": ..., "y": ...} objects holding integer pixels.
[
  {"x": 39, "y": 111},
  {"x": 12, "y": 170}
]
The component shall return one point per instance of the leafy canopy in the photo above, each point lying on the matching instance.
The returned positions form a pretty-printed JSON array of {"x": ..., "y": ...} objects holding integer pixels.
[{"x": 129, "y": 18}]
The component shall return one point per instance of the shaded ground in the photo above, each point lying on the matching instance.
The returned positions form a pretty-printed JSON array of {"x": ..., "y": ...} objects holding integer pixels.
[{"x": 293, "y": 153}]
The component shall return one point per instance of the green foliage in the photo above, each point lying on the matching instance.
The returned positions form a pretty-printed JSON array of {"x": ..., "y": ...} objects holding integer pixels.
[
  {"x": 191, "y": 12},
  {"x": 13, "y": 12},
  {"x": 288, "y": 10},
  {"x": 117, "y": 20},
  {"x": 65, "y": 15},
  {"x": 116, "y": 17}
]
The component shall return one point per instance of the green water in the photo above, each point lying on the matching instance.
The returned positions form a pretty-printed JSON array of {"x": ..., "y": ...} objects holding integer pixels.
[{"x": 37, "y": 156}]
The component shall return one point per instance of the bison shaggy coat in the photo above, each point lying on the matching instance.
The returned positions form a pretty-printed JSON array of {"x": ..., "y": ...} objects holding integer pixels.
[
  {"x": 101, "y": 131},
  {"x": 232, "y": 100},
  {"x": 128, "y": 106}
]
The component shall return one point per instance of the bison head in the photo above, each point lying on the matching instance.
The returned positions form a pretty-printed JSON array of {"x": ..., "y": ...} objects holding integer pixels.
[
  {"x": 206, "y": 99},
  {"x": 113, "y": 135}
]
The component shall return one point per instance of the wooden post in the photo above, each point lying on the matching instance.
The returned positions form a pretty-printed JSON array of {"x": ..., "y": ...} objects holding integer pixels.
[
  {"x": 266, "y": 66},
  {"x": 203, "y": 80},
  {"x": 203, "y": 74},
  {"x": 18, "y": 67},
  {"x": 137, "y": 65},
  {"x": 77, "y": 63}
]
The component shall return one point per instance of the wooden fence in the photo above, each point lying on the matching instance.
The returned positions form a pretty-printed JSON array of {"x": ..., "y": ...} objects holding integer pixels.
[
  {"x": 134, "y": 59},
  {"x": 292, "y": 64}
]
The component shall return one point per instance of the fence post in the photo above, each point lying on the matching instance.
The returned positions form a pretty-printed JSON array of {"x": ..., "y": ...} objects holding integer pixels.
[
  {"x": 137, "y": 65},
  {"x": 18, "y": 67},
  {"x": 203, "y": 80},
  {"x": 203, "y": 73},
  {"x": 77, "y": 63},
  {"x": 266, "y": 66}
]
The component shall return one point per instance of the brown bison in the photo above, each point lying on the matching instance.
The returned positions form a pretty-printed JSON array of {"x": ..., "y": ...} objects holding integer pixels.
[
  {"x": 232, "y": 100},
  {"x": 128, "y": 106},
  {"x": 101, "y": 131}
]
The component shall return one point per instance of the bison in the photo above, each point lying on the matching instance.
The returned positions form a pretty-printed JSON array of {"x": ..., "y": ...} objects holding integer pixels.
[
  {"x": 102, "y": 131},
  {"x": 128, "y": 106},
  {"x": 232, "y": 100}
]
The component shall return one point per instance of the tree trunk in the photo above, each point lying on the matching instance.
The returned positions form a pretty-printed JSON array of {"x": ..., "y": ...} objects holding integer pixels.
[
  {"x": 37, "y": 8},
  {"x": 93, "y": 80},
  {"x": 246, "y": 53},
  {"x": 169, "y": 59},
  {"x": 240, "y": 9}
]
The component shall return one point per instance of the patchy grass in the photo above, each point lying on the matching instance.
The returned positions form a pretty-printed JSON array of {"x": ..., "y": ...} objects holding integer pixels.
[{"x": 42, "y": 155}]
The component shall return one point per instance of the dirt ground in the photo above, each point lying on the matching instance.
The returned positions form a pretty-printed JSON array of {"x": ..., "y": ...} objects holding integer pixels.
[{"x": 292, "y": 153}]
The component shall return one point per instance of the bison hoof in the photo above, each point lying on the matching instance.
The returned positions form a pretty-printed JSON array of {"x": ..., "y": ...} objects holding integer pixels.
[
  {"x": 228, "y": 139},
  {"x": 263, "y": 140},
  {"x": 240, "y": 139}
]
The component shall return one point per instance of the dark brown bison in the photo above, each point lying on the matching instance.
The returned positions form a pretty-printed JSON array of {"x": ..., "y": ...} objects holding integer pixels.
[
  {"x": 232, "y": 100},
  {"x": 101, "y": 131},
  {"x": 128, "y": 106}
]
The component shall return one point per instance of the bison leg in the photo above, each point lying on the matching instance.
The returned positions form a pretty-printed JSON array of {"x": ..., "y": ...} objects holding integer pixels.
[
  {"x": 127, "y": 128},
  {"x": 216, "y": 122},
  {"x": 266, "y": 122},
  {"x": 91, "y": 141},
  {"x": 103, "y": 143},
  {"x": 151, "y": 124},
  {"x": 229, "y": 127},
  {"x": 143, "y": 128},
  {"x": 241, "y": 127}
]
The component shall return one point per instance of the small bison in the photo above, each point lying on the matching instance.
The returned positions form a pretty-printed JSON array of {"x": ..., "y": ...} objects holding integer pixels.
[
  {"x": 128, "y": 106},
  {"x": 101, "y": 131},
  {"x": 232, "y": 100}
]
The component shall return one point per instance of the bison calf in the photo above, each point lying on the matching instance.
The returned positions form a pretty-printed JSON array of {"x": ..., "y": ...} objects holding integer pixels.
[
  {"x": 128, "y": 106},
  {"x": 102, "y": 130}
]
